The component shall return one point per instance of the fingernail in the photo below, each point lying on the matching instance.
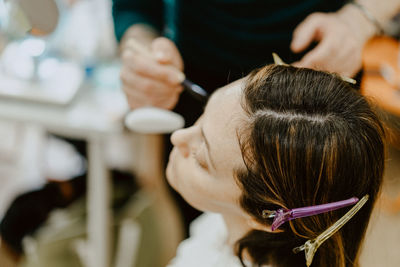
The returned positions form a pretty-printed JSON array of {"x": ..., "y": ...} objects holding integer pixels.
[
  {"x": 160, "y": 55},
  {"x": 180, "y": 76}
]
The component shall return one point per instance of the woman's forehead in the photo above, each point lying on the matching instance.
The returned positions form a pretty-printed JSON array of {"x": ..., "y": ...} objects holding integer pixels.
[
  {"x": 222, "y": 119},
  {"x": 227, "y": 93}
]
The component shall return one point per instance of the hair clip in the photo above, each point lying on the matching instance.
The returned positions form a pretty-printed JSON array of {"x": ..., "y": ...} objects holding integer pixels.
[
  {"x": 347, "y": 79},
  {"x": 311, "y": 246},
  {"x": 284, "y": 215},
  {"x": 279, "y": 61}
]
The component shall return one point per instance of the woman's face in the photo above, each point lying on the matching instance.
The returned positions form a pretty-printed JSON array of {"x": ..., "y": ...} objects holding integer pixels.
[{"x": 204, "y": 157}]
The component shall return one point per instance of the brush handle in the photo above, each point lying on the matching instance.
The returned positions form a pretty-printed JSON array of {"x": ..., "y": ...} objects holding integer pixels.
[{"x": 195, "y": 90}]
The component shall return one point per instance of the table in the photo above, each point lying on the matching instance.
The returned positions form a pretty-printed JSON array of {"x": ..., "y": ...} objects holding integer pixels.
[{"x": 94, "y": 114}]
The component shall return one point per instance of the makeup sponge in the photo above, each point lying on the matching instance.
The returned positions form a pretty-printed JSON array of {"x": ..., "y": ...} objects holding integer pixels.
[{"x": 151, "y": 120}]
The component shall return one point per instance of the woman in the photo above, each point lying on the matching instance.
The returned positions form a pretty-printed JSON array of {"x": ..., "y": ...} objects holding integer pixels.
[{"x": 283, "y": 137}]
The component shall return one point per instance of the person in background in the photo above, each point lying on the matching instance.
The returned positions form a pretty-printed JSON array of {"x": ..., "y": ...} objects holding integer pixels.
[
  {"x": 266, "y": 152},
  {"x": 224, "y": 40},
  {"x": 215, "y": 42}
]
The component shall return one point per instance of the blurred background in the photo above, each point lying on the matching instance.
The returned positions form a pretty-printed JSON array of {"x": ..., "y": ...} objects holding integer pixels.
[{"x": 78, "y": 189}]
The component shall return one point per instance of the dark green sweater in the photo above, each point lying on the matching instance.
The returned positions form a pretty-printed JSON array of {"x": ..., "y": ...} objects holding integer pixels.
[{"x": 222, "y": 37}]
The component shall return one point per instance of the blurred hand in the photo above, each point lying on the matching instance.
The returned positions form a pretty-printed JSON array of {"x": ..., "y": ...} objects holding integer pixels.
[
  {"x": 152, "y": 78},
  {"x": 341, "y": 37}
]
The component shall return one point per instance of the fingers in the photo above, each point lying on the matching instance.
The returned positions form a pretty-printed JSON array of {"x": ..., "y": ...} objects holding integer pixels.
[
  {"x": 331, "y": 55},
  {"x": 146, "y": 86},
  {"x": 306, "y": 32},
  {"x": 338, "y": 49},
  {"x": 319, "y": 57},
  {"x": 143, "y": 91},
  {"x": 151, "y": 75},
  {"x": 145, "y": 66},
  {"x": 166, "y": 52}
]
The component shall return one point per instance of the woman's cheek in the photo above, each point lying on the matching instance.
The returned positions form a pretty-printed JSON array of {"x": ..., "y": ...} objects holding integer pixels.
[
  {"x": 178, "y": 169},
  {"x": 171, "y": 168}
]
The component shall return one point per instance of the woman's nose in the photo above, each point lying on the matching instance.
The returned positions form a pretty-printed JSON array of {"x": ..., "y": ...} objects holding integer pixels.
[{"x": 181, "y": 140}]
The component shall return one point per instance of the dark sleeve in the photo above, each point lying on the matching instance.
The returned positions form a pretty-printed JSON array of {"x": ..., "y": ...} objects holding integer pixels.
[{"x": 128, "y": 12}]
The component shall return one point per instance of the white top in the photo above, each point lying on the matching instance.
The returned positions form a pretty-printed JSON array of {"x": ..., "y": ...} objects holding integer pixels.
[{"x": 206, "y": 246}]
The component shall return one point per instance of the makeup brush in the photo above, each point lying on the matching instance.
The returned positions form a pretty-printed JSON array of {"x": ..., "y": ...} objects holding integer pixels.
[
  {"x": 152, "y": 120},
  {"x": 192, "y": 88}
]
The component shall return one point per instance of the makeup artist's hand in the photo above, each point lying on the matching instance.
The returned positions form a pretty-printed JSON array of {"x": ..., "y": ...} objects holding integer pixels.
[
  {"x": 341, "y": 37},
  {"x": 152, "y": 78}
]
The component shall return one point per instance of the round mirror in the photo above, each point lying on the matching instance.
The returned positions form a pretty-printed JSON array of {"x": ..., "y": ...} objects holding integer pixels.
[{"x": 37, "y": 17}]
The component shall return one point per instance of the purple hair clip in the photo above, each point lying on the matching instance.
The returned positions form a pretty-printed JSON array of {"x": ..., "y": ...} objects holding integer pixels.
[{"x": 283, "y": 215}]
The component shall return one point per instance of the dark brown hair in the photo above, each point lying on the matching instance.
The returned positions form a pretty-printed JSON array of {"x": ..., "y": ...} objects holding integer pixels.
[{"x": 311, "y": 139}]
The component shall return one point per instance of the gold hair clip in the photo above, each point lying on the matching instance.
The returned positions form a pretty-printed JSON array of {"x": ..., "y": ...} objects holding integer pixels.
[
  {"x": 347, "y": 79},
  {"x": 279, "y": 61},
  {"x": 311, "y": 246}
]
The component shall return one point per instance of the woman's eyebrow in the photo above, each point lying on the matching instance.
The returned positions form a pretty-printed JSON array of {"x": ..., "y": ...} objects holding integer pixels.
[{"x": 208, "y": 147}]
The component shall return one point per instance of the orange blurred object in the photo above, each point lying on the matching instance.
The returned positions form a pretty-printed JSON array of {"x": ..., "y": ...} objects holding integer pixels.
[{"x": 382, "y": 53}]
